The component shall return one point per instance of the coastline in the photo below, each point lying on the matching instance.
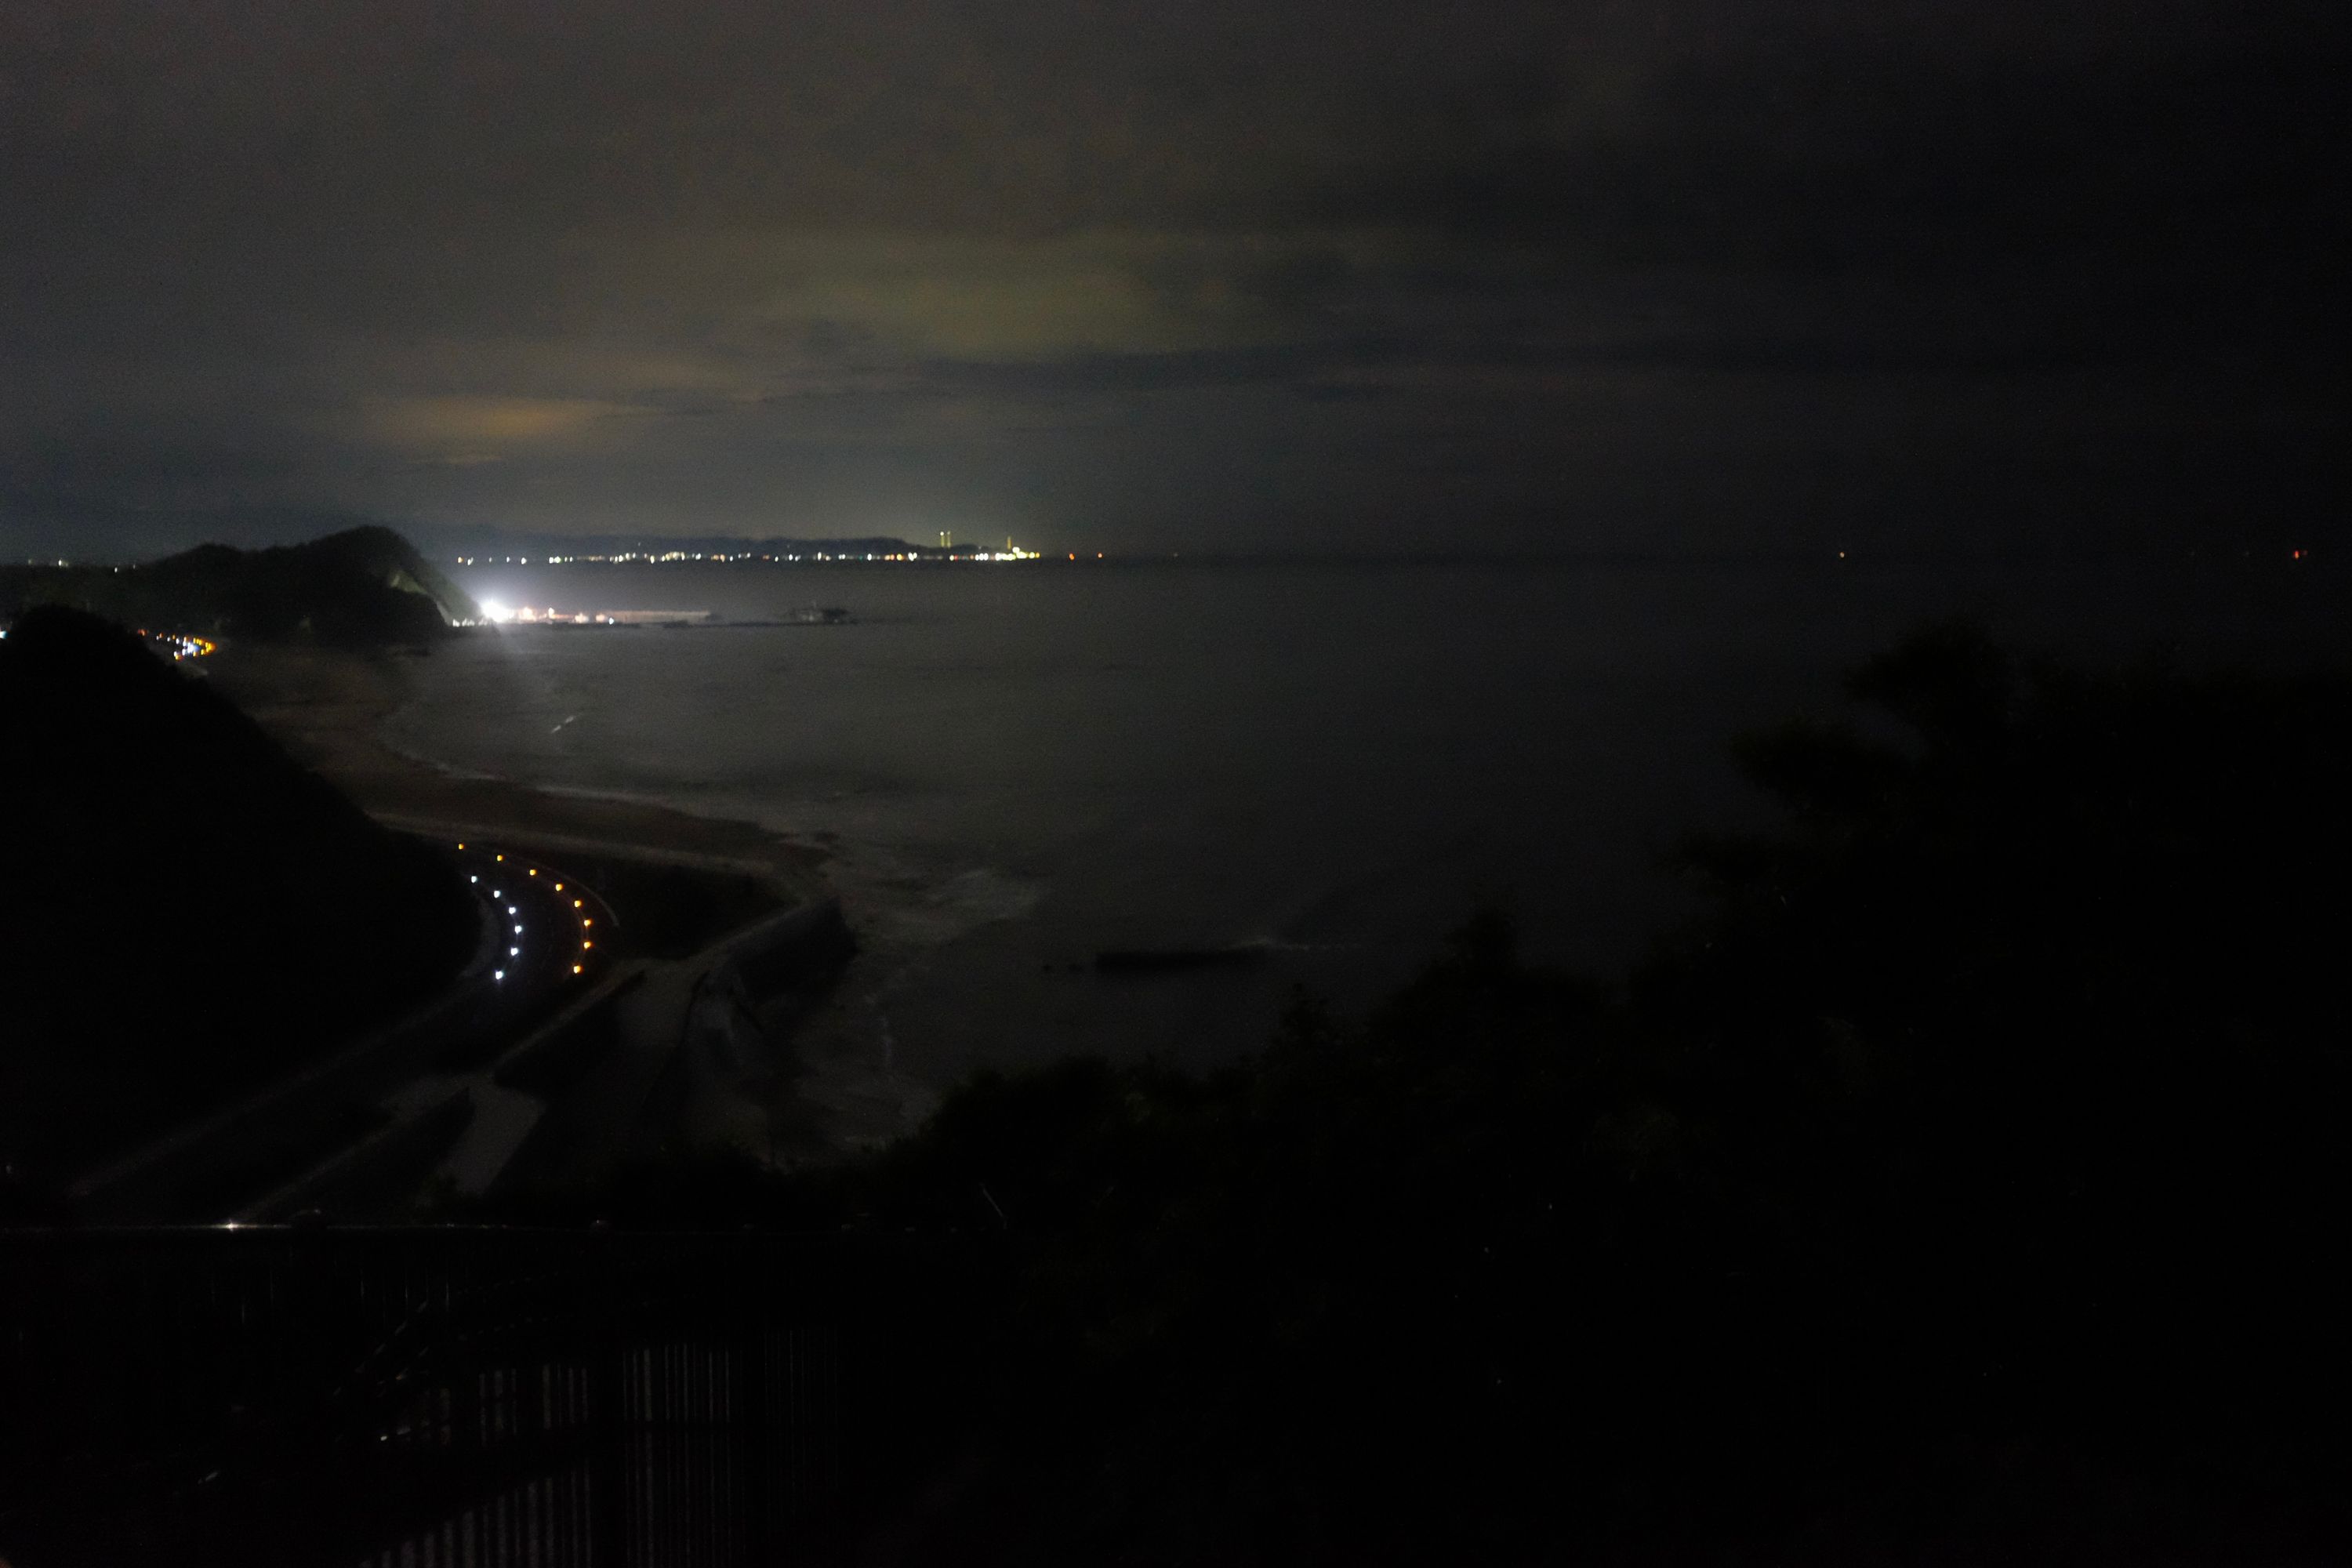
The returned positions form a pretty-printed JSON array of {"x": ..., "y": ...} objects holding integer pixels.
[
  {"x": 328, "y": 707},
  {"x": 836, "y": 1090}
]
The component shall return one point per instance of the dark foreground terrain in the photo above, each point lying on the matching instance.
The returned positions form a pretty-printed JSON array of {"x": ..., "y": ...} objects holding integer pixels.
[
  {"x": 1969, "y": 1187},
  {"x": 183, "y": 911}
]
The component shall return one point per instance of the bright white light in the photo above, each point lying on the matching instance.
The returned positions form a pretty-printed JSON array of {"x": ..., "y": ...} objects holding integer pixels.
[
  {"x": 498, "y": 974},
  {"x": 514, "y": 953},
  {"x": 493, "y": 610}
]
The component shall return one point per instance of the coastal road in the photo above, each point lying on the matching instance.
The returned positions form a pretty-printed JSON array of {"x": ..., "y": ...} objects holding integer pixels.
[
  {"x": 555, "y": 931},
  {"x": 551, "y": 944}
]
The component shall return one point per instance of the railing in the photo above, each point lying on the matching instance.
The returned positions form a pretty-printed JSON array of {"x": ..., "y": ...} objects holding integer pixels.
[{"x": 466, "y": 1396}]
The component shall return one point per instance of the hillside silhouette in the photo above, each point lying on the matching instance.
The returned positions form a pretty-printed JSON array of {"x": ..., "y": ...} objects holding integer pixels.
[
  {"x": 183, "y": 911},
  {"x": 361, "y": 588}
]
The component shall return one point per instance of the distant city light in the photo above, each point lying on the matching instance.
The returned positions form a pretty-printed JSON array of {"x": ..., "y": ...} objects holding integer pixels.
[{"x": 947, "y": 549}]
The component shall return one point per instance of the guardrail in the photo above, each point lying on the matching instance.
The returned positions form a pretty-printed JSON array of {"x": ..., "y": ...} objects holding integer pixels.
[{"x": 468, "y": 1396}]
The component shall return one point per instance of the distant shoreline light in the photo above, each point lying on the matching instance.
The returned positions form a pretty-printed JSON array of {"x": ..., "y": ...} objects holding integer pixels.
[{"x": 637, "y": 557}]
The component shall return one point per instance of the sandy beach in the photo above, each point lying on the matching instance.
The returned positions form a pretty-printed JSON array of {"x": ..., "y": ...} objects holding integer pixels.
[
  {"x": 833, "y": 1091},
  {"x": 328, "y": 707}
]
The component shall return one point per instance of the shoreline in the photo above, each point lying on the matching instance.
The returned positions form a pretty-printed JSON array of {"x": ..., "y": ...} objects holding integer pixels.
[
  {"x": 326, "y": 706},
  {"x": 837, "y": 1092}
]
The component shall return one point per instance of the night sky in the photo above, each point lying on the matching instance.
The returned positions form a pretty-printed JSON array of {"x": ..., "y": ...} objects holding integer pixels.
[{"x": 1684, "y": 275}]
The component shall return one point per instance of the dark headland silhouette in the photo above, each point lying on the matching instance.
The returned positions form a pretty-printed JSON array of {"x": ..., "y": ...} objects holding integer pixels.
[{"x": 364, "y": 587}]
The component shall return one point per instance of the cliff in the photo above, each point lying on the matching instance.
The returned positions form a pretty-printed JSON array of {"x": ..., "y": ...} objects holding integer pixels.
[{"x": 360, "y": 588}]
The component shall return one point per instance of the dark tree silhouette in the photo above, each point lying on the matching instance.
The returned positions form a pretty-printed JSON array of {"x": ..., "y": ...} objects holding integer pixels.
[{"x": 1968, "y": 1185}]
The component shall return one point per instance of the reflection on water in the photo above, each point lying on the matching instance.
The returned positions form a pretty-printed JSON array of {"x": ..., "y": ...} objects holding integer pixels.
[{"x": 1017, "y": 768}]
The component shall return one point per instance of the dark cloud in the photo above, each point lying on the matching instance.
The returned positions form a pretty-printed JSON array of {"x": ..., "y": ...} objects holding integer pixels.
[{"x": 1141, "y": 274}]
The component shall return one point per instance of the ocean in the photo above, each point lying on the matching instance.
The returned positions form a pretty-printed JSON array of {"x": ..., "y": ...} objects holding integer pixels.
[{"x": 1016, "y": 767}]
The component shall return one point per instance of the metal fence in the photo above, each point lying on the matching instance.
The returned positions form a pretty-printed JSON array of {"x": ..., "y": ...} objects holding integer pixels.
[{"x": 458, "y": 1396}]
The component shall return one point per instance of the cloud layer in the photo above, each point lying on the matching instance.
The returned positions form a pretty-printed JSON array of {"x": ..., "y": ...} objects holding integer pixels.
[{"x": 1174, "y": 275}]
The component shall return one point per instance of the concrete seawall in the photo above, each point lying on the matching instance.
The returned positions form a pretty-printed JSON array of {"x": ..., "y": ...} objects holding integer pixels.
[{"x": 668, "y": 1064}]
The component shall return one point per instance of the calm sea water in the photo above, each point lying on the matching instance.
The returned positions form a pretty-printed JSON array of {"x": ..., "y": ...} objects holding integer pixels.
[{"x": 1017, "y": 767}]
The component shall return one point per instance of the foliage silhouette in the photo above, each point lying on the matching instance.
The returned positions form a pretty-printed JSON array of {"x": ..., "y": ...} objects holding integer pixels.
[{"x": 1969, "y": 1183}]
